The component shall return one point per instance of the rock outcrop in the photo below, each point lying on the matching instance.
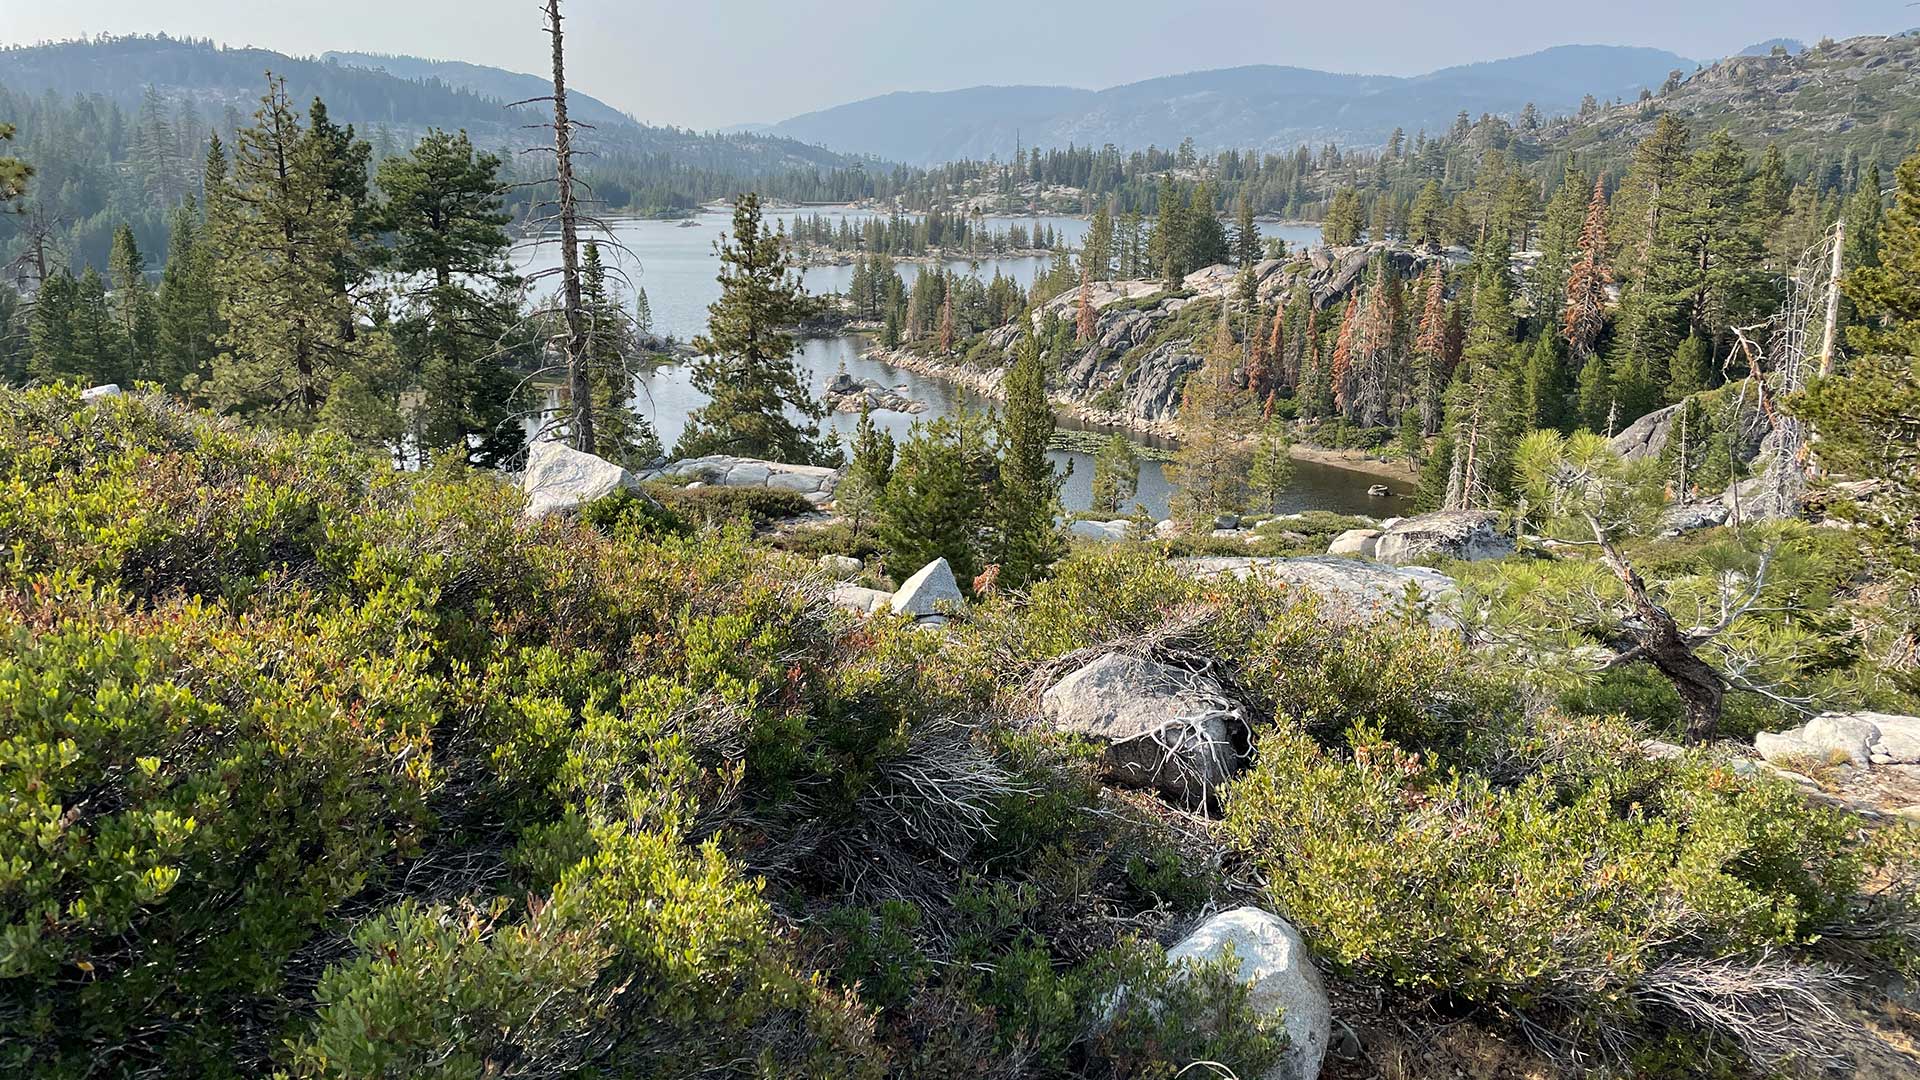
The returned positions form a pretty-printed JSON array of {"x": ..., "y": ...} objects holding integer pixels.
[
  {"x": 1361, "y": 542},
  {"x": 845, "y": 394},
  {"x": 97, "y": 393},
  {"x": 560, "y": 479},
  {"x": 1350, "y": 590},
  {"x": 1858, "y": 738},
  {"x": 816, "y": 483},
  {"x": 1273, "y": 960},
  {"x": 1467, "y": 535},
  {"x": 1161, "y": 727},
  {"x": 1100, "y": 530}
]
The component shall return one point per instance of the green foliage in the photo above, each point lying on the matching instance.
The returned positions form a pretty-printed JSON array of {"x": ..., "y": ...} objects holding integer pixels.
[
  {"x": 940, "y": 487},
  {"x": 1026, "y": 495},
  {"x": 746, "y": 370},
  {"x": 1560, "y": 892},
  {"x": 1116, "y": 474}
]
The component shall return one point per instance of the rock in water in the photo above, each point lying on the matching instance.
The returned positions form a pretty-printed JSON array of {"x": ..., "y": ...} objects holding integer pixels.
[
  {"x": 928, "y": 592},
  {"x": 560, "y": 479},
  {"x": 1163, "y": 727},
  {"x": 1274, "y": 963},
  {"x": 1468, "y": 535},
  {"x": 1361, "y": 542}
]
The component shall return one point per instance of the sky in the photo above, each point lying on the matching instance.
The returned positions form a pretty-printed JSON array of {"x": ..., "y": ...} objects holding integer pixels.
[{"x": 711, "y": 63}]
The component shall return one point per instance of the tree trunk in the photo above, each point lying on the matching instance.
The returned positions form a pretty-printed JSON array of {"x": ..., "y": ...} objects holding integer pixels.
[
  {"x": 1658, "y": 639},
  {"x": 579, "y": 385}
]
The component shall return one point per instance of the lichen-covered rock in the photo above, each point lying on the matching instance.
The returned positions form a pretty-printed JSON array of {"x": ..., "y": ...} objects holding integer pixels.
[
  {"x": 560, "y": 479},
  {"x": 1274, "y": 963},
  {"x": 930, "y": 592},
  {"x": 1361, "y": 542},
  {"x": 1161, "y": 727},
  {"x": 1351, "y": 590},
  {"x": 1467, "y": 535}
]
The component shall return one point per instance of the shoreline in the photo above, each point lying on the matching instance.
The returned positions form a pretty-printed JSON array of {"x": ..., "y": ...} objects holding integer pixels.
[{"x": 987, "y": 384}]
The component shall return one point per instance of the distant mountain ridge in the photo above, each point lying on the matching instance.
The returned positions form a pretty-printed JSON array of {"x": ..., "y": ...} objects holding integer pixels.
[
  {"x": 402, "y": 95},
  {"x": 1261, "y": 106}
]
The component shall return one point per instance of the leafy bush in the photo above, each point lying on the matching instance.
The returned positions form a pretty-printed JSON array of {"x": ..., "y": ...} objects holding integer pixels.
[
  {"x": 1563, "y": 893},
  {"x": 719, "y": 505}
]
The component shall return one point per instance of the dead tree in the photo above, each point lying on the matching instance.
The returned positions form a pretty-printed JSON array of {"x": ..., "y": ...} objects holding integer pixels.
[{"x": 579, "y": 383}]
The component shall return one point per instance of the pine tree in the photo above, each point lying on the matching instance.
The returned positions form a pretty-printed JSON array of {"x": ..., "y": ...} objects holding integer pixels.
[
  {"x": 1595, "y": 394},
  {"x": 870, "y": 468},
  {"x": 1084, "y": 324},
  {"x": 14, "y": 173},
  {"x": 1096, "y": 258},
  {"x": 1246, "y": 233},
  {"x": 1116, "y": 474},
  {"x": 133, "y": 306},
  {"x": 443, "y": 212},
  {"x": 746, "y": 367},
  {"x": 1271, "y": 474},
  {"x": 938, "y": 495},
  {"x": 1546, "y": 383},
  {"x": 1583, "y": 315},
  {"x": 1209, "y": 469},
  {"x": 1690, "y": 369},
  {"x": 187, "y": 309},
  {"x": 1434, "y": 365},
  {"x": 288, "y": 342},
  {"x": 1027, "y": 496}
]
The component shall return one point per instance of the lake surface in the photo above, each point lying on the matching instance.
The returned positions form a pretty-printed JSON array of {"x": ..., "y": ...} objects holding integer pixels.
[{"x": 675, "y": 263}]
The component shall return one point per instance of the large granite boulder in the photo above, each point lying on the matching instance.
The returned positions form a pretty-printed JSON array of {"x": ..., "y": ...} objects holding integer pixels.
[
  {"x": 1860, "y": 738},
  {"x": 861, "y": 601},
  {"x": 814, "y": 482},
  {"x": 1350, "y": 590},
  {"x": 560, "y": 479},
  {"x": 1361, "y": 542},
  {"x": 1162, "y": 727},
  {"x": 1273, "y": 961},
  {"x": 1468, "y": 535},
  {"x": 841, "y": 567},
  {"x": 1112, "y": 531},
  {"x": 101, "y": 392},
  {"x": 930, "y": 593}
]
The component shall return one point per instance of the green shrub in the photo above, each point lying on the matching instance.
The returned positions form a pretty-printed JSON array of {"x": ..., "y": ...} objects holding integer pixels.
[
  {"x": 1559, "y": 893},
  {"x": 719, "y": 505}
]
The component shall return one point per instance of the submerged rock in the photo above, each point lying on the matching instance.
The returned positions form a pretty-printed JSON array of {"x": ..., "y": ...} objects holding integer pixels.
[
  {"x": 1163, "y": 727},
  {"x": 1468, "y": 535},
  {"x": 1273, "y": 961},
  {"x": 560, "y": 479}
]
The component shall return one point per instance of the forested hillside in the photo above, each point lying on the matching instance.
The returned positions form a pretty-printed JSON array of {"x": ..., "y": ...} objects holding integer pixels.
[{"x": 119, "y": 127}]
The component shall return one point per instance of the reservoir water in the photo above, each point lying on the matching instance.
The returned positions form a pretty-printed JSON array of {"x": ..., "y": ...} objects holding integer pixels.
[{"x": 676, "y": 265}]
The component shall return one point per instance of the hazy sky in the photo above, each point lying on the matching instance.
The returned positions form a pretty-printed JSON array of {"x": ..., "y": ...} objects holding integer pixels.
[{"x": 708, "y": 63}]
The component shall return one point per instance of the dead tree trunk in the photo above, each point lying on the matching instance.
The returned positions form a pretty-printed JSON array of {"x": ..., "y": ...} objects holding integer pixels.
[
  {"x": 579, "y": 384},
  {"x": 1660, "y": 641}
]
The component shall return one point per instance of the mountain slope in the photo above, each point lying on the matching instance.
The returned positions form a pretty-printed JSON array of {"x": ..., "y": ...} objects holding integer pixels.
[
  {"x": 1857, "y": 98},
  {"x": 400, "y": 95},
  {"x": 1261, "y": 106}
]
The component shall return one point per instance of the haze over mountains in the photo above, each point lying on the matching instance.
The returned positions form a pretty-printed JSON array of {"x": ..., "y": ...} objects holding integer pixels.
[
  {"x": 400, "y": 95},
  {"x": 1262, "y": 107}
]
